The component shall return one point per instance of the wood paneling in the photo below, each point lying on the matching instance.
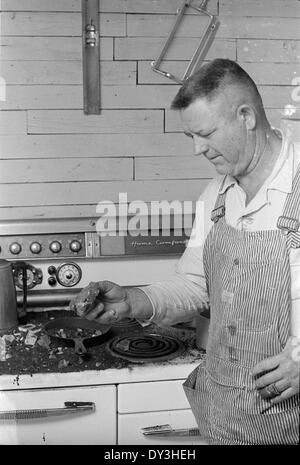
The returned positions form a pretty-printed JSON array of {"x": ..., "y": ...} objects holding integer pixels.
[
  {"x": 172, "y": 122},
  {"x": 41, "y": 5},
  {"x": 110, "y": 6},
  {"x": 54, "y": 211},
  {"x": 146, "y": 48},
  {"x": 38, "y": 97},
  {"x": 75, "y": 169},
  {"x": 276, "y": 96},
  {"x": 66, "y": 72},
  {"x": 151, "y": 6},
  {"x": 138, "y": 97},
  {"x": 40, "y": 24},
  {"x": 272, "y": 73},
  {"x": 69, "y": 193},
  {"x": 49, "y": 48},
  {"x": 175, "y": 168},
  {"x": 57, "y": 24},
  {"x": 268, "y": 51},
  {"x": 95, "y": 145},
  {"x": 277, "y": 8},
  {"x": 261, "y": 73},
  {"x": 230, "y": 27},
  {"x": 12, "y": 122},
  {"x": 109, "y": 122},
  {"x": 57, "y": 162}
]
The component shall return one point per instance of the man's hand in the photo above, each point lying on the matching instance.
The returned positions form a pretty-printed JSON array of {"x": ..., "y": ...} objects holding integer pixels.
[
  {"x": 104, "y": 301},
  {"x": 107, "y": 303},
  {"x": 282, "y": 378}
]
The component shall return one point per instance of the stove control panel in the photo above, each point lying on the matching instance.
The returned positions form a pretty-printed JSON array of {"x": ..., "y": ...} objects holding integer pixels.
[
  {"x": 43, "y": 246},
  {"x": 90, "y": 245}
]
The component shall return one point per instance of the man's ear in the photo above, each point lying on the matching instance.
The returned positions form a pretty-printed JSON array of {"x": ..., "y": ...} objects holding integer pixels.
[{"x": 248, "y": 116}]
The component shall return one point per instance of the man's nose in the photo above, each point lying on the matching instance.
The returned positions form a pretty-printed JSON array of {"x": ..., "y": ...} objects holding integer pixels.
[{"x": 200, "y": 146}]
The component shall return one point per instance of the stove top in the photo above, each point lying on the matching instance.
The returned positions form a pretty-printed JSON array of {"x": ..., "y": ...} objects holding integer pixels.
[{"x": 129, "y": 345}]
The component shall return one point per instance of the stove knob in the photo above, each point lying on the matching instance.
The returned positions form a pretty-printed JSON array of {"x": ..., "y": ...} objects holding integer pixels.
[
  {"x": 15, "y": 248},
  {"x": 51, "y": 270},
  {"x": 35, "y": 247},
  {"x": 55, "y": 246},
  {"x": 75, "y": 246},
  {"x": 52, "y": 281}
]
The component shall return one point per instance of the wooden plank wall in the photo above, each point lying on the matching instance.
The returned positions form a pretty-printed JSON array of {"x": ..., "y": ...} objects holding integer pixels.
[{"x": 57, "y": 162}]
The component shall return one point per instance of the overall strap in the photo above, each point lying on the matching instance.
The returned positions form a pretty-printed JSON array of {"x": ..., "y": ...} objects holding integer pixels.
[
  {"x": 219, "y": 208},
  {"x": 289, "y": 222}
]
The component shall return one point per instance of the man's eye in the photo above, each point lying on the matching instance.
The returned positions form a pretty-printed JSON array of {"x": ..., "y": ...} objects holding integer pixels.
[
  {"x": 205, "y": 135},
  {"x": 198, "y": 135}
]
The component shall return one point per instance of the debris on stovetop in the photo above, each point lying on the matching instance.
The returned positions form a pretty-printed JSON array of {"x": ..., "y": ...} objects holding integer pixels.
[
  {"x": 44, "y": 341},
  {"x": 70, "y": 333},
  {"x": 27, "y": 349},
  {"x": 4, "y": 355}
]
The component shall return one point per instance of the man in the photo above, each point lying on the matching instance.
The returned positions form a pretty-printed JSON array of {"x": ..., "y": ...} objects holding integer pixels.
[{"x": 247, "y": 269}]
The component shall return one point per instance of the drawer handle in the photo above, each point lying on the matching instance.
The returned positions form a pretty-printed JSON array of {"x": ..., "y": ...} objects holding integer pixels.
[
  {"x": 167, "y": 430},
  {"x": 70, "y": 407}
]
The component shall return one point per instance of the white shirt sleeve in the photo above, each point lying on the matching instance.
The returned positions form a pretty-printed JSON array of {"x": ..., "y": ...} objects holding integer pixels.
[{"x": 182, "y": 297}]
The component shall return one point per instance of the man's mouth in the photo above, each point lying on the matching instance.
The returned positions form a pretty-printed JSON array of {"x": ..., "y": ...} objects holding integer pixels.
[{"x": 214, "y": 157}]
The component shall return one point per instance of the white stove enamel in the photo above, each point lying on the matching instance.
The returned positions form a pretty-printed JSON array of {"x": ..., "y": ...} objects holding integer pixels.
[{"x": 120, "y": 412}]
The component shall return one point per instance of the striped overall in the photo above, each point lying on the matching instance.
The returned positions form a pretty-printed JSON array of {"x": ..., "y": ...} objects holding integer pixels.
[{"x": 248, "y": 280}]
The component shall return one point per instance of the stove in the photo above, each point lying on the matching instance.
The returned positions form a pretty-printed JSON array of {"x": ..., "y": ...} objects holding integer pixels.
[
  {"x": 135, "y": 376},
  {"x": 54, "y": 260}
]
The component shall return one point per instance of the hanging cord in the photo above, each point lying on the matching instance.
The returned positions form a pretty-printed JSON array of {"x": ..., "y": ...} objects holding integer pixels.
[
  {"x": 24, "y": 279},
  {"x": 22, "y": 266}
]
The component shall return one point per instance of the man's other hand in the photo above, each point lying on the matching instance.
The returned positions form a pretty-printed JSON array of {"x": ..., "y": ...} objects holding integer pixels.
[{"x": 277, "y": 378}]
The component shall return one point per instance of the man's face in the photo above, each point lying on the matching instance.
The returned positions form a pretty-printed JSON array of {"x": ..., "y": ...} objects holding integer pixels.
[{"x": 220, "y": 134}]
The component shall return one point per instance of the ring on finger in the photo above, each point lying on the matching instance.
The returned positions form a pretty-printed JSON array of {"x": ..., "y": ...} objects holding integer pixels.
[
  {"x": 273, "y": 390},
  {"x": 269, "y": 391}
]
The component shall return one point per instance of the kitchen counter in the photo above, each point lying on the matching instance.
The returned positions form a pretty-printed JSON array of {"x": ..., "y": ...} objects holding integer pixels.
[{"x": 40, "y": 365}]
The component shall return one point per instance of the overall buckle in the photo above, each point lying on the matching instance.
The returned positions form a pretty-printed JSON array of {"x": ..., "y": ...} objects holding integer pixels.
[
  {"x": 287, "y": 224},
  {"x": 217, "y": 213}
]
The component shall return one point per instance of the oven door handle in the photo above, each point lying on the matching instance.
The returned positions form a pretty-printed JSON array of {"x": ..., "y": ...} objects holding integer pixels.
[
  {"x": 70, "y": 407},
  {"x": 167, "y": 430}
]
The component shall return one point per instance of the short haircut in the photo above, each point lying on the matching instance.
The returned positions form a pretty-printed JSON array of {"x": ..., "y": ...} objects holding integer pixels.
[{"x": 211, "y": 78}]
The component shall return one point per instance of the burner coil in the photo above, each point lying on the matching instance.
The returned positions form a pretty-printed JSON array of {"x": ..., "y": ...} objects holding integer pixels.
[{"x": 146, "y": 347}]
